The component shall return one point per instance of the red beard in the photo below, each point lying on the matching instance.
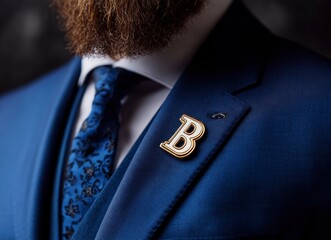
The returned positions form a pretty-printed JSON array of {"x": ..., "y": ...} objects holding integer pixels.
[{"x": 120, "y": 28}]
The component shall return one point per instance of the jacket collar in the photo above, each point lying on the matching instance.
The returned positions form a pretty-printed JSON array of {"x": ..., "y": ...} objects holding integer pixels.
[
  {"x": 165, "y": 66},
  {"x": 231, "y": 60}
]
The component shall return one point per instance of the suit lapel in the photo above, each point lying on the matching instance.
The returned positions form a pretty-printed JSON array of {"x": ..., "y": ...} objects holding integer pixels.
[
  {"x": 62, "y": 87},
  {"x": 231, "y": 60},
  {"x": 155, "y": 181},
  {"x": 63, "y": 150}
]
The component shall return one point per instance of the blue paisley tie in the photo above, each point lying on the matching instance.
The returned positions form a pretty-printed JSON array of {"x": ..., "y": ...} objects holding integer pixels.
[{"x": 93, "y": 150}]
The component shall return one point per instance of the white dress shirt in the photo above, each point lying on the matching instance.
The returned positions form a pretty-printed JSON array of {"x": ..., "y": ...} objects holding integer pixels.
[{"x": 162, "y": 68}]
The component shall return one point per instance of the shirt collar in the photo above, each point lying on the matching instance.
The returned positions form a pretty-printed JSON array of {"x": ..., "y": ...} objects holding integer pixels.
[{"x": 166, "y": 66}]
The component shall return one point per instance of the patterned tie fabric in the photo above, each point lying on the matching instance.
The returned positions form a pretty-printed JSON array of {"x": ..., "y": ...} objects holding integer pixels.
[{"x": 93, "y": 150}]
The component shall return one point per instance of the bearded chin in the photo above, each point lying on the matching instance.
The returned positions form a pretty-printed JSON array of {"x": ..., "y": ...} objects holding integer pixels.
[{"x": 120, "y": 28}]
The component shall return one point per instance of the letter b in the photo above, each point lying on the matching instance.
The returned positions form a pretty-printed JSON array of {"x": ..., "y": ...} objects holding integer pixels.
[{"x": 183, "y": 142}]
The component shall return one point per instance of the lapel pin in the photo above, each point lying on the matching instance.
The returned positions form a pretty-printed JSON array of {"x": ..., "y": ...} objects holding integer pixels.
[{"x": 183, "y": 142}]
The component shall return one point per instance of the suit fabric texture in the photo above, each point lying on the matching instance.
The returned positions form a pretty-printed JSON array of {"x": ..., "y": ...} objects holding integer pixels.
[{"x": 262, "y": 172}]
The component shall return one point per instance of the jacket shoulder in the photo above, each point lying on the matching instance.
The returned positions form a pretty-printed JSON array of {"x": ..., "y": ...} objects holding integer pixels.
[
  {"x": 50, "y": 81},
  {"x": 293, "y": 57}
]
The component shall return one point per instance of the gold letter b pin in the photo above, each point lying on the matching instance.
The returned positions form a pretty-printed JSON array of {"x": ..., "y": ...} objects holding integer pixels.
[{"x": 183, "y": 142}]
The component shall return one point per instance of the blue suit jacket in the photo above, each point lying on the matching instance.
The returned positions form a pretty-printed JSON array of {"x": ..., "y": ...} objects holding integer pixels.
[{"x": 263, "y": 172}]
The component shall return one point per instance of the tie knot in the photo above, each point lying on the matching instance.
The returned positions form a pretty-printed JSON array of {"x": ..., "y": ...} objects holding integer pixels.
[{"x": 113, "y": 83}]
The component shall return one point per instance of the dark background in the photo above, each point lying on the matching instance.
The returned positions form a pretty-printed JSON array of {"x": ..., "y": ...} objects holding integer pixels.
[{"x": 31, "y": 43}]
